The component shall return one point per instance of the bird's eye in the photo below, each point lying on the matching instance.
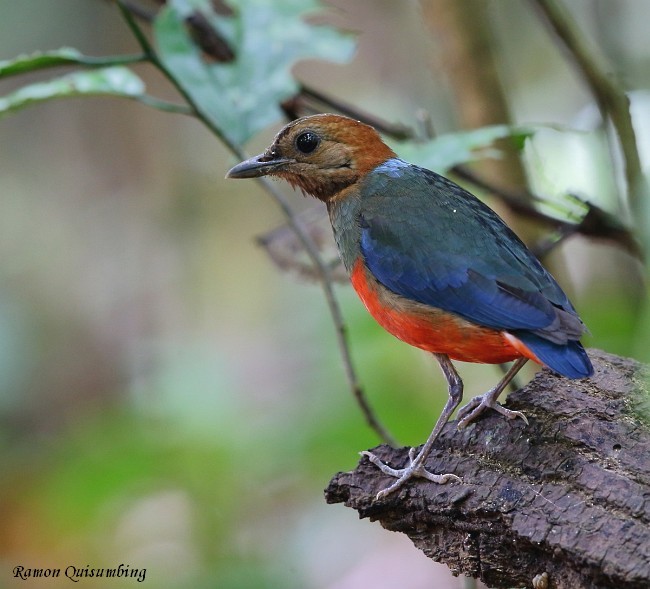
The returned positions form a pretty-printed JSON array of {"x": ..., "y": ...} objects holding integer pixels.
[{"x": 306, "y": 142}]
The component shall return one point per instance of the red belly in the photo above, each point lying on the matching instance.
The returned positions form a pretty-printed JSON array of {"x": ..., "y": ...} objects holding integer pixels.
[{"x": 435, "y": 330}]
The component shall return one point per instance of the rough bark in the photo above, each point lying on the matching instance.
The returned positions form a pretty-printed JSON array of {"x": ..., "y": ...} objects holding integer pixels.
[{"x": 567, "y": 495}]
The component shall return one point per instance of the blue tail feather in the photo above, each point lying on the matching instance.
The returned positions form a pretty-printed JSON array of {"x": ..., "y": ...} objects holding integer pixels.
[{"x": 568, "y": 359}]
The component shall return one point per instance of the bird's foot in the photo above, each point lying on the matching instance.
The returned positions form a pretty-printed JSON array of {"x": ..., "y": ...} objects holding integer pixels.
[
  {"x": 414, "y": 469},
  {"x": 479, "y": 404}
]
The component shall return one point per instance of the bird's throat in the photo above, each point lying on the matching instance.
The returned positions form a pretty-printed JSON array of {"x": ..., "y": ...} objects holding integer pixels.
[{"x": 324, "y": 186}]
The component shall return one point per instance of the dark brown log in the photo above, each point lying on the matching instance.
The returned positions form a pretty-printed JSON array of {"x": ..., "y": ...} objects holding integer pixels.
[{"x": 567, "y": 495}]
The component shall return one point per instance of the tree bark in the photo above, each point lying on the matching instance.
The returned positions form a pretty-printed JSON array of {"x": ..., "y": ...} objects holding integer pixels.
[{"x": 568, "y": 495}]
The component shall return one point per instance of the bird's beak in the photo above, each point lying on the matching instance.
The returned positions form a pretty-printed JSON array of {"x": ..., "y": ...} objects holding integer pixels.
[{"x": 260, "y": 165}]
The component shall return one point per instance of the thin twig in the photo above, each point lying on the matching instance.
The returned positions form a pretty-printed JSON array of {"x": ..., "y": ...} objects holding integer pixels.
[
  {"x": 138, "y": 11},
  {"x": 324, "y": 273},
  {"x": 396, "y": 131},
  {"x": 310, "y": 247},
  {"x": 126, "y": 10},
  {"x": 612, "y": 100},
  {"x": 151, "y": 54},
  {"x": 596, "y": 222}
]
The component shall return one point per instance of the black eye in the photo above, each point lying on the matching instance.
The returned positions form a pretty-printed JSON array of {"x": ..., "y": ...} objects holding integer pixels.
[{"x": 308, "y": 141}]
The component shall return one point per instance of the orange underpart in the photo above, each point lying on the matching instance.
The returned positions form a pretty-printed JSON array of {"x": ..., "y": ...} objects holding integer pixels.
[{"x": 435, "y": 330}]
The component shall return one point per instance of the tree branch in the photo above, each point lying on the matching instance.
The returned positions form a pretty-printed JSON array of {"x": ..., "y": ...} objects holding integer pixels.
[
  {"x": 568, "y": 495},
  {"x": 612, "y": 100},
  {"x": 596, "y": 223}
]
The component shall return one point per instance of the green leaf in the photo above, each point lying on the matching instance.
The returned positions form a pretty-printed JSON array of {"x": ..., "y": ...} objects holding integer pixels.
[
  {"x": 59, "y": 57},
  {"x": 112, "y": 81},
  {"x": 241, "y": 97},
  {"x": 449, "y": 150},
  {"x": 38, "y": 60}
]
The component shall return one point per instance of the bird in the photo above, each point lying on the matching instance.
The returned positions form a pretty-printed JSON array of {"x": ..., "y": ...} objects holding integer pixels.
[{"x": 434, "y": 266}]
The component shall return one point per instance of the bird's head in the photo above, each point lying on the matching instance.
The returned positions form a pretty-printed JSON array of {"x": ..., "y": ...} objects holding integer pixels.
[{"x": 321, "y": 154}]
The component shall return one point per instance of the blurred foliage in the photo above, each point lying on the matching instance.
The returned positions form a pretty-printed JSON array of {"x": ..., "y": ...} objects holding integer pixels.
[
  {"x": 167, "y": 399},
  {"x": 451, "y": 149},
  {"x": 47, "y": 59},
  {"x": 243, "y": 97},
  {"x": 113, "y": 81}
]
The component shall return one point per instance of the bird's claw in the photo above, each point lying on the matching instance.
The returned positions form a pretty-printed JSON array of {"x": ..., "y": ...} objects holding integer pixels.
[
  {"x": 479, "y": 404},
  {"x": 414, "y": 469}
]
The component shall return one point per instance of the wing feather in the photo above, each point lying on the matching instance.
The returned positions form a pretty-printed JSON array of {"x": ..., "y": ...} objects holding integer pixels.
[{"x": 442, "y": 247}]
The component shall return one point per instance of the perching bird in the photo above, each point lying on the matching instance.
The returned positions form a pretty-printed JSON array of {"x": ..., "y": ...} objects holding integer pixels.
[{"x": 434, "y": 266}]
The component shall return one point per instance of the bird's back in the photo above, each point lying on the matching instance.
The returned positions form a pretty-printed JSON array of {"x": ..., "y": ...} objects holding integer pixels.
[{"x": 428, "y": 241}]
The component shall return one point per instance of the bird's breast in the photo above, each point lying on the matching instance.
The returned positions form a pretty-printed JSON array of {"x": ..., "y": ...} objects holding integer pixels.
[{"x": 431, "y": 329}]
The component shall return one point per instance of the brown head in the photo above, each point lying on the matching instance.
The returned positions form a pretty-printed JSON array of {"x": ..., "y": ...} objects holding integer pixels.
[{"x": 321, "y": 154}]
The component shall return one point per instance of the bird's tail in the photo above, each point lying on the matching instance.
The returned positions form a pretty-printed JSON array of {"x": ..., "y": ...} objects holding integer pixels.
[{"x": 568, "y": 359}]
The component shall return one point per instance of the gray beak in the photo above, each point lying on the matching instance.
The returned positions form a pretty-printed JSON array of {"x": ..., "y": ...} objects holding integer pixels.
[{"x": 260, "y": 165}]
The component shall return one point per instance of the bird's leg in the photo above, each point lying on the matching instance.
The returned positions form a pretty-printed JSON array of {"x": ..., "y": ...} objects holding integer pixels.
[
  {"x": 416, "y": 461},
  {"x": 489, "y": 400}
]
